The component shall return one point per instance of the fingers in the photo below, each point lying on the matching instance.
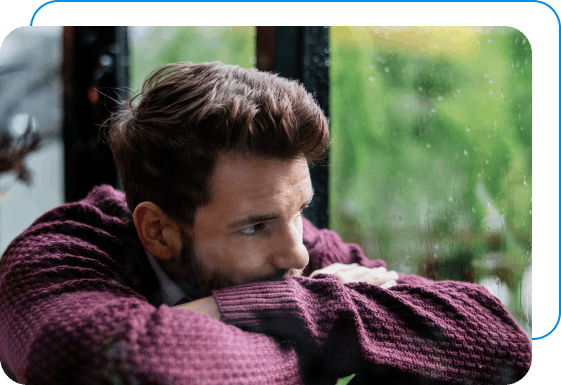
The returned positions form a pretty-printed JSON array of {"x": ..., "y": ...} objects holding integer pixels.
[{"x": 347, "y": 273}]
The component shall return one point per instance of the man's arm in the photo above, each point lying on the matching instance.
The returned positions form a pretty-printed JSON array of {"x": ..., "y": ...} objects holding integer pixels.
[{"x": 445, "y": 333}]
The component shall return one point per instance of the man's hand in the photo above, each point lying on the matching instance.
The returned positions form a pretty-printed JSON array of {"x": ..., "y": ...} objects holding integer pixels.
[
  {"x": 206, "y": 306},
  {"x": 355, "y": 273}
]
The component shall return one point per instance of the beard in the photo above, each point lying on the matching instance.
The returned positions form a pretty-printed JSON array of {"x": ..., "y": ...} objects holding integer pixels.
[{"x": 201, "y": 281}]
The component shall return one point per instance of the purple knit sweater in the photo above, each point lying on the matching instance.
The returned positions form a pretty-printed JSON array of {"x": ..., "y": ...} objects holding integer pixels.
[{"x": 79, "y": 304}]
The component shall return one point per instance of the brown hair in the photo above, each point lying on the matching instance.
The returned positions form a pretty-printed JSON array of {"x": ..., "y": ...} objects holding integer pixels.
[{"x": 166, "y": 145}]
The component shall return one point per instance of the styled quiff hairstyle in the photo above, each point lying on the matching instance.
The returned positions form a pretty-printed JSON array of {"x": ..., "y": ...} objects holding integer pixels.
[{"x": 166, "y": 145}]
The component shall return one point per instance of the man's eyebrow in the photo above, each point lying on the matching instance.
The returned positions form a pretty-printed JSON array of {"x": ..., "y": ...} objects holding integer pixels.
[{"x": 251, "y": 219}]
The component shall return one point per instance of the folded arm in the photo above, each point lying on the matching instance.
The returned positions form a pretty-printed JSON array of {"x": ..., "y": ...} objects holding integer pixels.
[{"x": 445, "y": 333}]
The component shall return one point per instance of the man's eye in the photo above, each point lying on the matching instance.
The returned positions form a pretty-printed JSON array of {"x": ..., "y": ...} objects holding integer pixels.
[
  {"x": 252, "y": 229},
  {"x": 259, "y": 227}
]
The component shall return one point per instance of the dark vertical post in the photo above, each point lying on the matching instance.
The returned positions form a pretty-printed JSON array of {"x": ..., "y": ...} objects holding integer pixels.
[
  {"x": 95, "y": 76},
  {"x": 302, "y": 53}
]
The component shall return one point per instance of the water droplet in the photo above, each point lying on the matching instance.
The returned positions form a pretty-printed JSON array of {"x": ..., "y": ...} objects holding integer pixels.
[
  {"x": 491, "y": 81},
  {"x": 371, "y": 78},
  {"x": 433, "y": 109},
  {"x": 473, "y": 209},
  {"x": 526, "y": 61},
  {"x": 521, "y": 128},
  {"x": 410, "y": 180},
  {"x": 478, "y": 42},
  {"x": 387, "y": 69},
  {"x": 518, "y": 64},
  {"x": 420, "y": 88},
  {"x": 429, "y": 145},
  {"x": 490, "y": 92},
  {"x": 489, "y": 135},
  {"x": 407, "y": 105},
  {"x": 502, "y": 95},
  {"x": 530, "y": 212},
  {"x": 521, "y": 71},
  {"x": 326, "y": 62},
  {"x": 440, "y": 98},
  {"x": 523, "y": 41},
  {"x": 516, "y": 41},
  {"x": 525, "y": 184},
  {"x": 465, "y": 152},
  {"x": 450, "y": 199},
  {"x": 458, "y": 90},
  {"x": 479, "y": 175},
  {"x": 407, "y": 256},
  {"x": 488, "y": 204},
  {"x": 468, "y": 129},
  {"x": 488, "y": 41}
]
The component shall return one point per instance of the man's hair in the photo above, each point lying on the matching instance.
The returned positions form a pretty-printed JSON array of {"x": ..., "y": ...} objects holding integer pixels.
[{"x": 166, "y": 145}]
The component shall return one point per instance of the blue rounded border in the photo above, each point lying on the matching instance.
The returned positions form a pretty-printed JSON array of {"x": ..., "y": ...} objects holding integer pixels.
[{"x": 366, "y": 1}]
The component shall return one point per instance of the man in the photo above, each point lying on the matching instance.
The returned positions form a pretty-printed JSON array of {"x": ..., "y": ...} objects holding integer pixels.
[{"x": 201, "y": 272}]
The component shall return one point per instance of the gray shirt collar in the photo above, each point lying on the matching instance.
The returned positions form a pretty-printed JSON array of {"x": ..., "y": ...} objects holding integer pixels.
[{"x": 171, "y": 292}]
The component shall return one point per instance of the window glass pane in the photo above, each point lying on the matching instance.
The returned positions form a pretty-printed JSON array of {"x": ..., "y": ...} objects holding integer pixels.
[
  {"x": 31, "y": 92},
  {"x": 153, "y": 47},
  {"x": 432, "y": 153}
]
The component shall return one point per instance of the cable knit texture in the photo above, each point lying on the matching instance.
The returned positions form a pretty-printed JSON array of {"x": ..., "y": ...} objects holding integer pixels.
[{"x": 79, "y": 304}]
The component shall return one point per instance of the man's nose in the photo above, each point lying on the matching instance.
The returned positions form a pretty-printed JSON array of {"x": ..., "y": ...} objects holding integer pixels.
[{"x": 291, "y": 252}]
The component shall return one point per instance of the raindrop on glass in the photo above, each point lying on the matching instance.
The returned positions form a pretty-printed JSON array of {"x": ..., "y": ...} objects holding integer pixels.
[
  {"x": 420, "y": 88},
  {"x": 488, "y": 41},
  {"x": 450, "y": 199},
  {"x": 491, "y": 81},
  {"x": 488, "y": 204},
  {"x": 406, "y": 105},
  {"x": 478, "y": 42},
  {"x": 410, "y": 180},
  {"x": 387, "y": 69},
  {"x": 371, "y": 78},
  {"x": 371, "y": 66},
  {"x": 525, "y": 184},
  {"x": 440, "y": 98},
  {"x": 523, "y": 41},
  {"x": 473, "y": 209},
  {"x": 521, "y": 71},
  {"x": 468, "y": 129},
  {"x": 479, "y": 175},
  {"x": 485, "y": 75},
  {"x": 433, "y": 109},
  {"x": 490, "y": 92},
  {"x": 487, "y": 162},
  {"x": 429, "y": 145},
  {"x": 465, "y": 152},
  {"x": 502, "y": 95}
]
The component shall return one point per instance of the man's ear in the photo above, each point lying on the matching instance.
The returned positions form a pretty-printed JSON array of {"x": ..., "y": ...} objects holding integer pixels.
[{"x": 159, "y": 234}]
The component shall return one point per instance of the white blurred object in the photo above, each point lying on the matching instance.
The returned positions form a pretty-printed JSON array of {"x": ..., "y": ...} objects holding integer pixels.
[{"x": 379, "y": 276}]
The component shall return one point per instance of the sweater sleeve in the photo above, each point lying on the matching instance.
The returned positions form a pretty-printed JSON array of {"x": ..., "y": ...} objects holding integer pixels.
[
  {"x": 444, "y": 333},
  {"x": 69, "y": 315}
]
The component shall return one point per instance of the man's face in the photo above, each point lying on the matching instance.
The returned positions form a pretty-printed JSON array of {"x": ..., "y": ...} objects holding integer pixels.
[{"x": 252, "y": 229}]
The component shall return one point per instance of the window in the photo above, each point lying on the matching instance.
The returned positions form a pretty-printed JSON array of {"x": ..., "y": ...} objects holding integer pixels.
[{"x": 432, "y": 153}]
